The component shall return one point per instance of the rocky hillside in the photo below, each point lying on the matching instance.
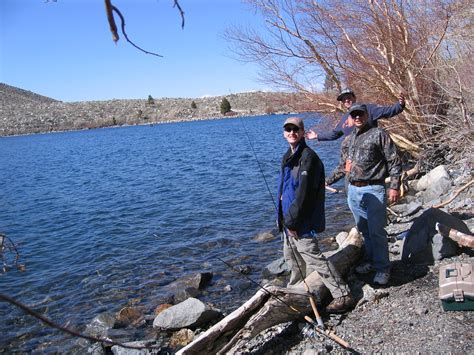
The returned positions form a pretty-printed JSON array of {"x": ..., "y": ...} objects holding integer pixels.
[{"x": 24, "y": 112}]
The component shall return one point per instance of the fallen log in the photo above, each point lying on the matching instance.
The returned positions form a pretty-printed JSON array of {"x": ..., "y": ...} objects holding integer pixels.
[
  {"x": 462, "y": 239},
  {"x": 269, "y": 307}
]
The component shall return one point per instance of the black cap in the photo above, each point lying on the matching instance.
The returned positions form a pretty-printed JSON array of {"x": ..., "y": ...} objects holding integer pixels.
[
  {"x": 345, "y": 92},
  {"x": 357, "y": 108}
]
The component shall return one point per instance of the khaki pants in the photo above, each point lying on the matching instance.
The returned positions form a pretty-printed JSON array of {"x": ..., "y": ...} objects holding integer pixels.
[{"x": 305, "y": 252}]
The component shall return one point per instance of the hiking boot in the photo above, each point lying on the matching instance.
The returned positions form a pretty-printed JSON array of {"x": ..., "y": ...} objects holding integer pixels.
[
  {"x": 381, "y": 278},
  {"x": 364, "y": 268},
  {"x": 340, "y": 304}
]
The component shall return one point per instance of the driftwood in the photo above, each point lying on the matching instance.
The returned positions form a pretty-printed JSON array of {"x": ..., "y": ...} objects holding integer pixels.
[
  {"x": 263, "y": 310},
  {"x": 456, "y": 193},
  {"x": 405, "y": 175},
  {"x": 406, "y": 144},
  {"x": 462, "y": 239}
]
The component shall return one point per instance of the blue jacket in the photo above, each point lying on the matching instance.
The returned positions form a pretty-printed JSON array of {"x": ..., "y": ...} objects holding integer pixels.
[
  {"x": 374, "y": 113},
  {"x": 301, "y": 191}
]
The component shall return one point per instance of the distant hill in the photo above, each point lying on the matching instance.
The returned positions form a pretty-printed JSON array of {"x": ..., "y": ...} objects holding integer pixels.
[
  {"x": 10, "y": 94},
  {"x": 25, "y": 112}
]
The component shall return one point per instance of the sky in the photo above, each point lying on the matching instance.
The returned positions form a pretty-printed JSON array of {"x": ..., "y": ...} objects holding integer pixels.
[{"x": 63, "y": 49}]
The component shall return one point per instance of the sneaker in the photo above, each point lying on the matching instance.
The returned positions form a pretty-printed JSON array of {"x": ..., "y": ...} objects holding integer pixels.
[
  {"x": 364, "y": 268},
  {"x": 381, "y": 277},
  {"x": 340, "y": 304}
]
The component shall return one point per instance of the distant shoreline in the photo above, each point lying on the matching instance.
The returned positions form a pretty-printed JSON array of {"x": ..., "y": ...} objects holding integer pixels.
[
  {"x": 25, "y": 113},
  {"x": 212, "y": 118}
]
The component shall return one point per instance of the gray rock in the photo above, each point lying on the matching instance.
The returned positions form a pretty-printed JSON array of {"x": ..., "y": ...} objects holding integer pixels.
[
  {"x": 95, "y": 349},
  {"x": 197, "y": 281},
  {"x": 433, "y": 177},
  {"x": 371, "y": 295},
  {"x": 276, "y": 268},
  {"x": 407, "y": 209},
  {"x": 184, "y": 294},
  {"x": 417, "y": 247},
  {"x": 120, "y": 335},
  {"x": 188, "y": 314},
  {"x": 264, "y": 237},
  {"x": 443, "y": 247},
  {"x": 434, "y": 184},
  {"x": 188, "y": 286},
  {"x": 118, "y": 350},
  {"x": 99, "y": 325}
]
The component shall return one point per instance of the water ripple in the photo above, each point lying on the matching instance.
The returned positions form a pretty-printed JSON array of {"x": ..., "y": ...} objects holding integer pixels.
[{"x": 105, "y": 216}]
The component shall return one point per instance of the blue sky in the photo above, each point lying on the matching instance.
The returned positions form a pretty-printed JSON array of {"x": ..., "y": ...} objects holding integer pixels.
[{"x": 64, "y": 49}]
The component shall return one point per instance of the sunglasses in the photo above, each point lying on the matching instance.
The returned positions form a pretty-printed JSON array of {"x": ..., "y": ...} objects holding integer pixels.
[{"x": 293, "y": 129}]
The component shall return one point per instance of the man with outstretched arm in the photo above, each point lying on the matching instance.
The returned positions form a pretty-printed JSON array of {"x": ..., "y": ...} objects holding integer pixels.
[
  {"x": 372, "y": 156},
  {"x": 346, "y": 124},
  {"x": 301, "y": 215}
]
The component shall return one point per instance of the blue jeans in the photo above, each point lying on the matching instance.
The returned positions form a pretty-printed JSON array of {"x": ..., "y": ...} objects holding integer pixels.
[{"x": 369, "y": 207}]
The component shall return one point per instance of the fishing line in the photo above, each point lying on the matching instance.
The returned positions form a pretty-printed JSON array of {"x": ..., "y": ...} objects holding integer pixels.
[{"x": 258, "y": 162}]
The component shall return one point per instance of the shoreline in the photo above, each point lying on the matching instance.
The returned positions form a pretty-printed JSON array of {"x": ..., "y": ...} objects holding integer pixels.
[{"x": 210, "y": 118}]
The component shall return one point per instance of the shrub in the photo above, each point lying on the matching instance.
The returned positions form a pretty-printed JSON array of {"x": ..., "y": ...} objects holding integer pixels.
[{"x": 225, "y": 106}]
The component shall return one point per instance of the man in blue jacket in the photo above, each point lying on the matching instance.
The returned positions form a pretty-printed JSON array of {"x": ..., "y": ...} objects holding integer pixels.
[
  {"x": 301, "y": 216},
  {"x": 346, "y": 124}
]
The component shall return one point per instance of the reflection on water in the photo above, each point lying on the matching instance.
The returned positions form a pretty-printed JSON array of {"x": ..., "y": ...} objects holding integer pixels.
[{"x": 106, "y": 217}]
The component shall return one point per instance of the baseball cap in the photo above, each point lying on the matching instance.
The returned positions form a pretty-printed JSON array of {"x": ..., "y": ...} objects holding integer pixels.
[
  {"x": 297, "y": 121},
  {"x": 357, "y": 108},
  {"x": 344, "y": 92}
]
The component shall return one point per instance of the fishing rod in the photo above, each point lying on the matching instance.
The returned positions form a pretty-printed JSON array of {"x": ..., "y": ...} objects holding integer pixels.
[
  {"x": 319, "y": 320},
  {"x": 325, "y": 332}
]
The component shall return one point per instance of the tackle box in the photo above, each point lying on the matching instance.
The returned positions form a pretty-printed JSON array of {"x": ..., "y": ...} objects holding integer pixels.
[{"x": 456, "y": 286}]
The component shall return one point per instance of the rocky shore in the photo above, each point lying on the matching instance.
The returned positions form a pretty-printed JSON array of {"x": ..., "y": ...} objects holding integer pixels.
[
  {"x": 24, "y": 112},
  {"x": 404, "y": 316}
]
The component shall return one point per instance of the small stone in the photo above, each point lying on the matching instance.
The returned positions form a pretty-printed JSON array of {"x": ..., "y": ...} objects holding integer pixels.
[
  {"x": 181, "y": 338},
  {"x": 420, "y": 311},
  {"x": 377, "y": 340},
  {"x": 162, "y": 307}
]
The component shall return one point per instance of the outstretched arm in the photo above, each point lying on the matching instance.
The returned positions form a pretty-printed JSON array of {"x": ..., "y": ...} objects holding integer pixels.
[{"x": 378, "y": 112}]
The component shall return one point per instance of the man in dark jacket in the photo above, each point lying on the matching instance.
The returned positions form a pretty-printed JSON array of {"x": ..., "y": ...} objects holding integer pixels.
[
  {"x": 301, "y": 216},
  {"x": 346, "y": 124},
  {"x": 372, "y": 157}
]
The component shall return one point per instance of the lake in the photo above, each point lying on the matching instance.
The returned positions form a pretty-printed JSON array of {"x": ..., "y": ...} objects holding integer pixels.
[{"x": 105, "y": 218}]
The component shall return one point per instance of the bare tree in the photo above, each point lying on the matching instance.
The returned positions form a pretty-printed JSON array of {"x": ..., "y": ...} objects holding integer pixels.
[{"x": 377, "y": 47}]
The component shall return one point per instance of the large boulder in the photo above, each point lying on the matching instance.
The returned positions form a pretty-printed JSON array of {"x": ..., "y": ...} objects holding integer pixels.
[
  {"x": 434, "y": 184},
  {"x": 419, "y": 247},
  {"x": 188, "y": 314}
]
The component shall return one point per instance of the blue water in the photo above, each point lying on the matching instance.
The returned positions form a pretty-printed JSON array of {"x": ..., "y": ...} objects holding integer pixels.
[{"x": 105, "y": 217}]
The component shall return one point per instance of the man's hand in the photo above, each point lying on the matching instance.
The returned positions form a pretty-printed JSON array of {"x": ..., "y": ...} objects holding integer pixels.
[
  {"x": 401, "y": 98},
  {"x": 393, "y": 195},
  {"x": 310, "y": 134},
  {"x": 292, "y": 233}
]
